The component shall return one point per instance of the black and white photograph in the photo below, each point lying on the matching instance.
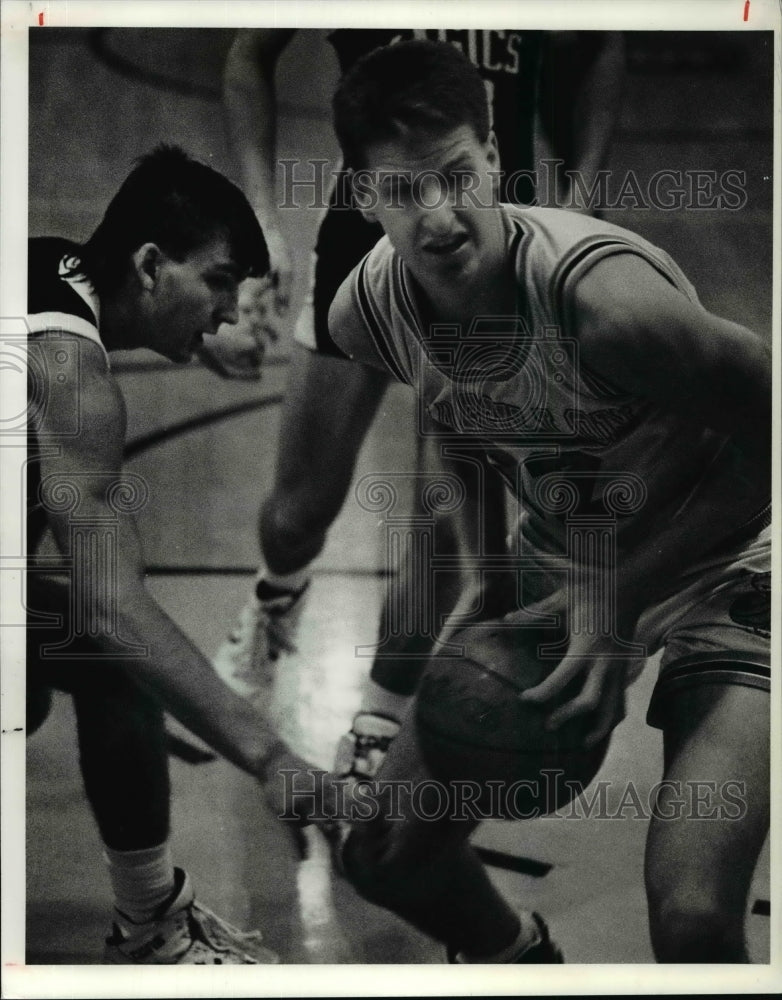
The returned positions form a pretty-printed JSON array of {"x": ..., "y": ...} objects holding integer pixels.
[{"x": 389, "y": 439}]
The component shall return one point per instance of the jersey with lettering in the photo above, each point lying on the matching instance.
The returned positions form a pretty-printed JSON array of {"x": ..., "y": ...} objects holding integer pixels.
[
  {"x": 60, "y": 300},
  {"x": 568, "y": 443}
]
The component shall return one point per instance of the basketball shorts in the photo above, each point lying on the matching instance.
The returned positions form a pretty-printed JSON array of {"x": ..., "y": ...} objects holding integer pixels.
[
  {"x": 48, "y": 615},
  {"x": 713, "y": 627},
  {"x": 343, "y": 239},
  {"x": 716, "y": 629}
]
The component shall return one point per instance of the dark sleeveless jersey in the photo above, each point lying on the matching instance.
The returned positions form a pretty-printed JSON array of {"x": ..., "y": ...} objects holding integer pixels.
[
  {"x": 59, "y": 299},
  {"x": 509, "y": 63}
]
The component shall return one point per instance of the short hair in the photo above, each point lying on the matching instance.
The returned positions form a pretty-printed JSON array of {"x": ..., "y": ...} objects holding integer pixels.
[
  {"x": 413, "y": 84},
  {"x": 180, "y": 204}
]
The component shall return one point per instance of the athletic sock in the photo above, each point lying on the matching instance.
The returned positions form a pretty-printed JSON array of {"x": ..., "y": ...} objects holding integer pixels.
[
  {"x": 142, "y": 880},
  {"x": 282, "y": 583},
  {"x": 529, "y": 935},
  {"x": 381, "y": 701}
]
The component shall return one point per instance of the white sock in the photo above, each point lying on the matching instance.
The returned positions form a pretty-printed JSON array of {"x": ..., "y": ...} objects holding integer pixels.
[
  {"x": 285, "y": 581},
  {"x": 141, "y": 880},
  {"x": 528, "y": 935},
  {"x": 379, "y": 700}
]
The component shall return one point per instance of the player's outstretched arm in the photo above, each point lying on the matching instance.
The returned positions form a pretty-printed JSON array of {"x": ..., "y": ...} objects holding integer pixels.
[
  {"x": 644, "y": 336},
  {"x": 86, "y": 466}
]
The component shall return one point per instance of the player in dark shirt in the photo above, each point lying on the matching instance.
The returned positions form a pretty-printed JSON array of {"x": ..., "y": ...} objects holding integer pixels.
[{"x": 161, "y": 270}]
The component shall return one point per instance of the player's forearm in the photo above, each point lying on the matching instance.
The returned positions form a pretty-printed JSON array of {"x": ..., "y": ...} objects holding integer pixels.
[
  {"x": 733, "y": 513},
  {"x": 187, "y": 686}
]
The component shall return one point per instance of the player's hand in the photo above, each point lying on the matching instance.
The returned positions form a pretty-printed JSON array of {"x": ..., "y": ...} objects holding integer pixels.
[
  {"x": 299, "y": 795},
  {"x": 232, "y": 353},
  {"x": 602, "y": 670}
]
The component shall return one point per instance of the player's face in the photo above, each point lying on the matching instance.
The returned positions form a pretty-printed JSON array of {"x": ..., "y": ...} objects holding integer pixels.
[
  {"x": 193, "y": 297},
  {"x": 434, "y": 196}
]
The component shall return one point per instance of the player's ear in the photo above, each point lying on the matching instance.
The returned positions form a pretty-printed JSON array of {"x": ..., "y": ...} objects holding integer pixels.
[
  {"x": 146, "y": 261},
  {"x": 492, "y": 152},
  {"x": 492, "y": 149},
  {"x": 364, "y": 194}
]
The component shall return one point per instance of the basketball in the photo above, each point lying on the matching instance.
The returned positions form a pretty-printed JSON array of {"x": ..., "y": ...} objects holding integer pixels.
[{"x": 473, "y": 728}]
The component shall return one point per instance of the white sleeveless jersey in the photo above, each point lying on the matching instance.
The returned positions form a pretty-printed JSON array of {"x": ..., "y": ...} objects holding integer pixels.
[
  {"x": 59, "y": 297},
  {"x": 569, "y": 445}
]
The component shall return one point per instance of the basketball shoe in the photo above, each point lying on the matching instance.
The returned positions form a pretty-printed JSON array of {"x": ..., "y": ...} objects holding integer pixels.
[
  {"x": 541, "y": 951},
  {"x": 184, "y": 933},
  {"x": 361, "y": 752},
  {"x": 265, "y": 630}
]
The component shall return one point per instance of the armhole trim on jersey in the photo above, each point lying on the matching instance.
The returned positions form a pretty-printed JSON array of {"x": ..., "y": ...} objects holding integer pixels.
[
  {"x": 374, "y": 324},
  {"x": 589, "y": 252},
  {"x": 574, "y": 266},
  {"x": 52, "y": 322},
  {"x": 518, "y": 247}
]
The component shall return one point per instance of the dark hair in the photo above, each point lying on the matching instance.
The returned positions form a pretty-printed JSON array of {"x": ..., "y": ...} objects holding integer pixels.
[
  {"x": 179, "y": 204},
  {"x": 415, "y": 84}
]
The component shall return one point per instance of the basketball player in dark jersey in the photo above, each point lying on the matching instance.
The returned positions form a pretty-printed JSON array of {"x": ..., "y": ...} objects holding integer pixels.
[
  {"x": 161, "y": 270},
  {"x": 660, "y": 421},
  {"x": 544, "y": 89}
]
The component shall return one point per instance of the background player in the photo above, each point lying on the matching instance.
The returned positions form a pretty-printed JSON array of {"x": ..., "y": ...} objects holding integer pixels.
[
  {"x": 672, "y": 402},
  {"x": 552, "y": 95},
  {"x": 160, "y": 271}
]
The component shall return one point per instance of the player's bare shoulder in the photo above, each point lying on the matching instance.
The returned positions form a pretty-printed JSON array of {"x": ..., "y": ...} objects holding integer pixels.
[{"x": 73, "y": 395}]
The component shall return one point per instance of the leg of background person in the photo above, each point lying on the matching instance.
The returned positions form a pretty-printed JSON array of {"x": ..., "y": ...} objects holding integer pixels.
[
  {"x": 329, "y": 406},
  {"x": 699, "y": 865},
  {"x": 476, "y": 527}
]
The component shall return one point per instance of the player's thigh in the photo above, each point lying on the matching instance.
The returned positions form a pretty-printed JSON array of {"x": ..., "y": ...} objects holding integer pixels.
[
  {"x": 329, "y": 406},
  {"x": 712, "y": 814}
]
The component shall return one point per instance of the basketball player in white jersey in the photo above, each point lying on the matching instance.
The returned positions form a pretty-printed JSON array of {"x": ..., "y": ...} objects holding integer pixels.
[
  {"x": 161, "y": 270},
  {"x": 606, "y": 389},
  {"x": 552, "y": 95}
]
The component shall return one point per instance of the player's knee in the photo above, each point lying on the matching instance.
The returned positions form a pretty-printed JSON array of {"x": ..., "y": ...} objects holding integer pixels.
[
  {"x": 360, "y": 858},
  {"x": 375, "y": 874},
  {"x": 689, "y": 924},
  {"x": 293, "y": 520}
]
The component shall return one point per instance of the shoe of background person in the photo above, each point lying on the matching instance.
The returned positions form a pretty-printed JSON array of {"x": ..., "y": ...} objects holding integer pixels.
[
  {"x": 361, "y": 751},
  {"x": 184, "y": 933},
  {"x": 265, "y": 630},
  {"x": 543, "y": 951}
]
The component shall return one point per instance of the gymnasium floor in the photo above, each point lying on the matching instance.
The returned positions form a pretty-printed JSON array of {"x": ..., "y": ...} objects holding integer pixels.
[{"x": 198, "y": 528}]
